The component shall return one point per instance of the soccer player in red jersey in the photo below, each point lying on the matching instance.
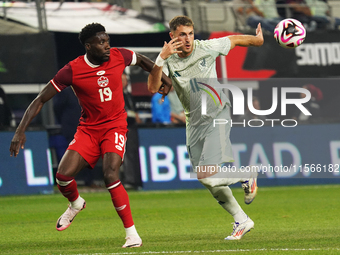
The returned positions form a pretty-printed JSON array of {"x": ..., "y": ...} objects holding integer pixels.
[{"x": 96, "y": 80}]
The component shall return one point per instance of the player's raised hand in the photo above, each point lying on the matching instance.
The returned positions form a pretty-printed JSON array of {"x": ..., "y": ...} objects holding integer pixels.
[
  {"x": 171, "y": 48},
  {"x": 259, "y": 34},
  {"x": 18, "y": 142}
]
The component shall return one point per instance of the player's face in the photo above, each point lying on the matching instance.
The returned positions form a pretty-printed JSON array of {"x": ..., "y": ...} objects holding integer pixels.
[
  {"x": 98, "y": 48},
  {"x": 185, "y": 34}
]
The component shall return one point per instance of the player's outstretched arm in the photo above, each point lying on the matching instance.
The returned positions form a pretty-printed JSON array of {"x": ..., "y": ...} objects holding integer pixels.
[
  {"x": 147, "y": 64},
  {"x": 33, "y": 109},
  {"x": 247, "y": 40},
  {"x": 154, "y": 79}
]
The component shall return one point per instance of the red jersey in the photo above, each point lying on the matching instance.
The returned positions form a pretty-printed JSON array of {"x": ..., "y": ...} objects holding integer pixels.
[{"x": 98, "y": 87}]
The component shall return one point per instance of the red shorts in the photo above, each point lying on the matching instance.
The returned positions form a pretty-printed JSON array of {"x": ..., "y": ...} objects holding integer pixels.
[{"x": 93, "y": 142}]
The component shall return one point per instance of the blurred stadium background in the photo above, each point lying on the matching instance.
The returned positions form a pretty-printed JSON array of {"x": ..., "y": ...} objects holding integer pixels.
[{"x": 37, "y": 38}]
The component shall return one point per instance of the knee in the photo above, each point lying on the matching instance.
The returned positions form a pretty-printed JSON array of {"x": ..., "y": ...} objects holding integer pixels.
[
  {"x": 63, "y": 170},
  {"x": 208, "y": 182},
  {"x": 219, "y": 191},
  {"x": 110, "y": 174}
]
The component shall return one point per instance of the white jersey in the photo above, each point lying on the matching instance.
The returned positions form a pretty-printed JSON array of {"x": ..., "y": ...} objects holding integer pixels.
[{"x": 195, "y": 77}]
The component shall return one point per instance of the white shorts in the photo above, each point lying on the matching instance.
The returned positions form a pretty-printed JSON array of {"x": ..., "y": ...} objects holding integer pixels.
[{"x": 209, "y": 145}]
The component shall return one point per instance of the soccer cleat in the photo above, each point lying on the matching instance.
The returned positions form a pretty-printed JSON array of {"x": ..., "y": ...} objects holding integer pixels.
[
  {"x": 240, "y": 229},
  {"x": 133, "y": 242},
  {"x": 250, "y": 190},
  {"x": 67, "y": 217}
]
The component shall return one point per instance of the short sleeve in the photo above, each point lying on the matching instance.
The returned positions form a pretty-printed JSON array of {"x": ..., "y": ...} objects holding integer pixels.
[
  {"x": 63, "y": 78},
  {"x": 129, "y": 56},
  {"x": 221, "y": 46}
]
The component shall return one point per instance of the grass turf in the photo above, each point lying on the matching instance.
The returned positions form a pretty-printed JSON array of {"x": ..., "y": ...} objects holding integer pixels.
[{"x": 288, "y": 220}]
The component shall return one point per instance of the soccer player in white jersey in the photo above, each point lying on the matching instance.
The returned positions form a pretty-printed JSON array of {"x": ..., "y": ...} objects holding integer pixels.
[{"x": 191, "y": 66}]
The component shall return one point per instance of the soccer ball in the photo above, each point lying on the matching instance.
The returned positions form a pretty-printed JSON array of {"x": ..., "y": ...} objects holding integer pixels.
[{"x": 289, "y": 33}]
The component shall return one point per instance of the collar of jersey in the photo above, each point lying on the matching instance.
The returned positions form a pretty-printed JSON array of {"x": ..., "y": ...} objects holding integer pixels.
[{"x": 89, "y": 63}]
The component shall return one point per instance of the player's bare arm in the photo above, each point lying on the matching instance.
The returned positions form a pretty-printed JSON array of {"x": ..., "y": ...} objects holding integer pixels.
[
  {"x": 154, "y": 79},
  {"x": 247, "y": 40},
  {"x": 33, "y": 109},
  {"x": 255, "y": 9},
  {"x": 147, "y": 64}
]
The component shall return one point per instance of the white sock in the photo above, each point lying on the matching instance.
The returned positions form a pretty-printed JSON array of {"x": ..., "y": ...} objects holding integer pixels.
[
  {"x": 78, "y": 203},
  {"x": 131, "y": 231},
  {"x": 240, "y": 216},
  {"x": 225, "y": 198},
  {"x": 223, "y": 194}
]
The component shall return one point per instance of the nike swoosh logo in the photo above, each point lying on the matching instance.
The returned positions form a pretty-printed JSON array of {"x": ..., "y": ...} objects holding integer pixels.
[
  {"x": 120, "y": 208},
  {"x": 133, "y": 245},
  {"x": 58, "y": 224}
]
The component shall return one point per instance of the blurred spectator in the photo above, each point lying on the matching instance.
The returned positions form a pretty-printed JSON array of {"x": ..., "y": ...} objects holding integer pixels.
[
  {"x": 5, "y": 110},
  {"x": 132, "y": 114},
  {"x": 249, "y": 14},
  {"x": 281, "y": 8},
  {"x": 161, "y": 112},
  {"x": 321, "y": 11},
  {"x": 130, "y": 169},
  {"x": 176, "y": 108},
  {"x": 312, "y": 105},
  {"x": 301, "y": 11},
  {"x": 67, "y": 111},
  {"x": 269, "y": 10}
]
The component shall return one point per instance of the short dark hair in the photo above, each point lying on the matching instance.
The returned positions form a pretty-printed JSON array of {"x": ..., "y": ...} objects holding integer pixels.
[
  {"x": 89, "y": 31},
  {"x": 180, "y": 20}
]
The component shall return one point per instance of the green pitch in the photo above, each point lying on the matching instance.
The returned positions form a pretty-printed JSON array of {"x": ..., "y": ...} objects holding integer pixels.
[{"x": 288, "y": 220}]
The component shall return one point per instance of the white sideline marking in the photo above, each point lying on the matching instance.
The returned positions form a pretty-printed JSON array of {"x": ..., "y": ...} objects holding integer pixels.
[{"x": 215, "y": 251}]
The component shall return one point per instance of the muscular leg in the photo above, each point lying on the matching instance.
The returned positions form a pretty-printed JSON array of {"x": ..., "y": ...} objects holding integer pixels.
[
  {"x": 71, "y": 163},
  {"x": 119, "y": 196},
  {"x": 111, "y": 165}
]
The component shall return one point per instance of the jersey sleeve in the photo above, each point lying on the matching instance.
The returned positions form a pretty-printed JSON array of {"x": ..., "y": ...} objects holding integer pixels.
[
  {"x": 63, "y": 78},
  {"x": 130, "y": 58},
  {"x": 217, "y": 46}
]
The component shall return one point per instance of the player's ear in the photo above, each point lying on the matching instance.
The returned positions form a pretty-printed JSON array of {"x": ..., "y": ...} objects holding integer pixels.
[
  {"x": 87, "y": 46},
  {"x": 171, "y": 35}
]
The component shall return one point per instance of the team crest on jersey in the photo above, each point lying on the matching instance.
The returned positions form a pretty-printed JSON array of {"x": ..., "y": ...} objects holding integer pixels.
[
  {"x": 202, "y": 64},
  {"x": 101, "y": 72},
  {"x": 103, "y": 81}
]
